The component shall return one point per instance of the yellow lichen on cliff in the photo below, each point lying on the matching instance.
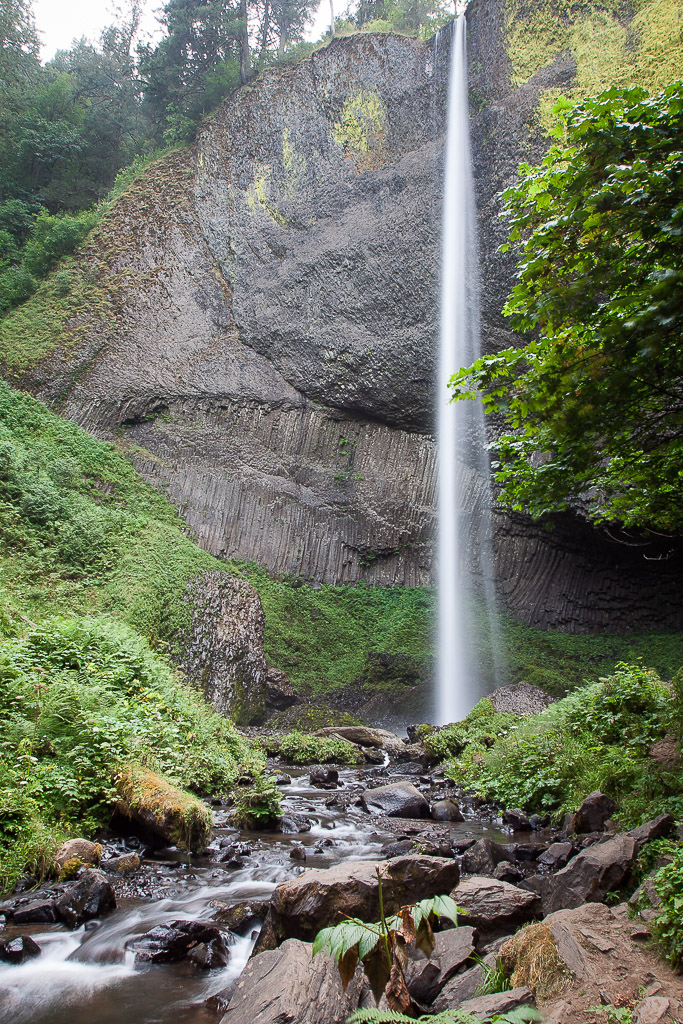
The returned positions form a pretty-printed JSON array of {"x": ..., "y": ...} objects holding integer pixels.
[
  {"x": 257, "y": 193},
  {"x": 361, "y": 129},
  {"x": 609, "y": 45}
]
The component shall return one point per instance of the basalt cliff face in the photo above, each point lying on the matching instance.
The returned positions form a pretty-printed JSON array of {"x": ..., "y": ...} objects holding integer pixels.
[{"x": 266, "y": 330}]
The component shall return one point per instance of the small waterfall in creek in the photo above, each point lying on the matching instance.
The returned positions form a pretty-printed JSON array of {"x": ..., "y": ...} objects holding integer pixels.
[{"x": 467, "y": 628}]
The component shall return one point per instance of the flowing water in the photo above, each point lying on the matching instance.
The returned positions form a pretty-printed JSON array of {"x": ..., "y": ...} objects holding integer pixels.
[
  {"x": 464, "y": 541},
  {"x": 89, "y": 975}
]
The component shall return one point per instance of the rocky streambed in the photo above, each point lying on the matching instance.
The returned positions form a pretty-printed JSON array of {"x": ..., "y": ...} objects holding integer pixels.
[{"x": 177, "y": 944}]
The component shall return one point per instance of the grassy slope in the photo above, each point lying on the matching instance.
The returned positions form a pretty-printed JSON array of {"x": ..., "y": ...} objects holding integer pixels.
[{"x": 93, "y": 568}]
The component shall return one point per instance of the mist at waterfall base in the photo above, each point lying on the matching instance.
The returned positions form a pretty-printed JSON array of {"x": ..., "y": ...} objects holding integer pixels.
[{"x": 465, "y": 561}]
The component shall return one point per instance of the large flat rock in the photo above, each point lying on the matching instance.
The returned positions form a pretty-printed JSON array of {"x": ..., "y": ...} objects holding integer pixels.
[
  {"x": 290, "y": 986},
  {"x": 321, "y": 897}
]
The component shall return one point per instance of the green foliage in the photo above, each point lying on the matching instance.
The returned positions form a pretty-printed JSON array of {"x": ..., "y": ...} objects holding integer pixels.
[
  {"x": 383, "y": 946},
  {"x": 495, "y": 978},
  {"x": 482, "y": 727},
  {"x": 668, "y": 925},
  {"x": 322, "y": 638},
  {"x": 259, "y": 805},
  {"x": 300, "y": 748},
  {"x": 597, "y": 738},
  {"x": 80, "y": 698},
  {"x": 593, "y": 403}
]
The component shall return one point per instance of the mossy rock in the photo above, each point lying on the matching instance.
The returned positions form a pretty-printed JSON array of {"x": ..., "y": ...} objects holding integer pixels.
[{"x": 168, "y": 812}]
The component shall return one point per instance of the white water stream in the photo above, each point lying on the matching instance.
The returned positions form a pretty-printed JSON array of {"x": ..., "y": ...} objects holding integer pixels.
[{"x": 464, "y": 505}]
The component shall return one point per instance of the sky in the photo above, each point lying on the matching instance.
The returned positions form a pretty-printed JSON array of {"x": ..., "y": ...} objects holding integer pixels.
[{"x": 61, "y": 21}]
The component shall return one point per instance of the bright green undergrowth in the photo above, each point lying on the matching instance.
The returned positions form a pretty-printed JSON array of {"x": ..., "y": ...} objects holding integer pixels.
[
  {"x": 93, "y": 569},
  {"x": 324, "y": 639},
  {"x": 304, "y": 748},
  {"x": 596, "y": 738},
  {"x": 79, "y": 699}
]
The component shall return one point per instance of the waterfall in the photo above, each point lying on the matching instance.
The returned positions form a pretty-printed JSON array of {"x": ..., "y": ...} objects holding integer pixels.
[{"x": 464, "y": 505}]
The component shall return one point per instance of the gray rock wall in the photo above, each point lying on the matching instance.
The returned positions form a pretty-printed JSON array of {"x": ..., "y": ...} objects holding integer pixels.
[{"x": 271, "y": 351}]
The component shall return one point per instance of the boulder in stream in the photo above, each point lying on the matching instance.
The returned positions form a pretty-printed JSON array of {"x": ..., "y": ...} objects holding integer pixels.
[
  {"x": 397, "y": 800},
  {"x": 21, "y": 948},
  {"x": 201, "y": 942},
  {"x": 75, "y": 854},
  {"x": 320, "y": 897},
  {"x": 92, "y": 896},
  {"x": 164, "y": 810},
  {"x": 446, "y": 810}
]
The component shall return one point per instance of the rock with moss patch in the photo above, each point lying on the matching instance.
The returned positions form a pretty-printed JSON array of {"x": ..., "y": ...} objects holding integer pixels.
[
  {"x": 164, "y": 810},
  {"x": 75, "y": 854}
]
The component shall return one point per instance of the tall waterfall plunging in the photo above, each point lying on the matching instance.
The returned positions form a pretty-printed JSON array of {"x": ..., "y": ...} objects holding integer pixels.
[{"x": 467, "y": 625}]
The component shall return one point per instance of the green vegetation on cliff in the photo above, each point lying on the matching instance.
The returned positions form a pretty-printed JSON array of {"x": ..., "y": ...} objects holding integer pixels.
[
  {"x": 93, "y": 569},
  {"x": 612, "y": 42}
]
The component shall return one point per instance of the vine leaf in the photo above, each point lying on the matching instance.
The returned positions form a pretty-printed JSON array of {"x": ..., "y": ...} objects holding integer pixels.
[{"x": 398, "y": 996}]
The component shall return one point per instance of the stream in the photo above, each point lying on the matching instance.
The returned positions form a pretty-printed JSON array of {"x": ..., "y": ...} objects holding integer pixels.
[{"x": 89, "y": 975}]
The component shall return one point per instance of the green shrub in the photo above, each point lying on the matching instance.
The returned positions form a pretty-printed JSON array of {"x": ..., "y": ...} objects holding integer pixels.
[
  {"x": 259, "y": 805},
  {"x": 596, "y": 738},
  {"x": 668, "y": 925},
  {"x": 482, "y": 727},
  {"x": 300, "y": 748},
  {"x": 80, "y": 698}
]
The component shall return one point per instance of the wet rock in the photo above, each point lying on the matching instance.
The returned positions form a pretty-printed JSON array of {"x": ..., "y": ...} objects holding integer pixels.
[
  {"x": 495, "y": 907},
  {"x": 92, "y": 896},
  {"x": 167, "y": 944},
  {"x": 363, "y": 736},
  {"x": 556, "y": 856},
  {"x": 240, "y": 917},
  {"x": 371, "y": 755},
  {"x": 595, "y": 810},
  {"x": 397, "y": 800},
  {"x": 507, "y": 872},
  {"x": 666, "y": 752},
  {"x": 293, "y": 824},
  {"x": 482, "y": 857},
  {"x": 36, "y": 912},
  {"x": 288, "y": 984},
  {"x": 658, "y": 828},
  {"x": 537, "y": 822},
  {"x": 76, "y": 853},
  {"x": 516, "y": 820},
  {"x": 446, "y": 810},
  {"x": 280, "y": 694},
  {"x": 297, "y": 852},
  {"x": 319, "y": 897},
  {"x": 399, "y": 849},
  {"x": 209, "y": 955},
  {"x": 323, "y": 777},
  {"x": 21, "y": 948},
  {"x": 588, "y": 877},
  {"x": 126, "y": 864},
  {"x": 223, "y": 648},
  {"x": 426, "y": 978},
  {"x": 283, "y": 779},
  {"x": 646, "y": 895}
]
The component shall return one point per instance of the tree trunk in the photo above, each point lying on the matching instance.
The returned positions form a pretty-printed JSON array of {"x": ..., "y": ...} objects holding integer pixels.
[
  {"x": 265, "y": 26},
  {"x": 244, "y": 43},
  {"x": 332, "y": 16}
]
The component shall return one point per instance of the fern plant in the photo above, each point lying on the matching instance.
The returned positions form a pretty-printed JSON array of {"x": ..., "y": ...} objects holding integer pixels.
[
  {"x": 520, "y": 1015},
  {"x": 383, "y": 947}
]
